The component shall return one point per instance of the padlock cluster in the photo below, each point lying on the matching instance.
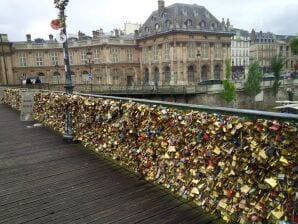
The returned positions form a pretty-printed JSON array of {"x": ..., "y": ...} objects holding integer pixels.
[
  {"x": 12, "y": 97},
  {"x": 245, "y": 170}
]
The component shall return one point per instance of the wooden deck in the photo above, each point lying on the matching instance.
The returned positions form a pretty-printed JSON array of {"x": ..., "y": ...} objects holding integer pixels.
[{"x": 44, "y": 180}]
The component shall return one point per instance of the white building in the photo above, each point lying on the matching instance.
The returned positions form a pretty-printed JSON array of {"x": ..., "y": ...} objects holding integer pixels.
[{"x": 240, "y": 44}]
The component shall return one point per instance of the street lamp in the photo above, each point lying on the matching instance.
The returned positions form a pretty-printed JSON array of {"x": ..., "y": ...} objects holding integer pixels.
[
  {"x": 89, "y": 63},
  {"x": 199, "y": 57},
  {"x": 61, "y": 4}
]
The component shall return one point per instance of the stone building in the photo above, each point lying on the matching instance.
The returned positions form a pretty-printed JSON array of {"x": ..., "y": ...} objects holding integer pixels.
[
  {"x": 6, "y": 72},
  {"x": 178, "y": 44},
  {"x": 284, "y": 49},
  {"x": 183, "y": 44},
  {"x": 264, "y": 46}
]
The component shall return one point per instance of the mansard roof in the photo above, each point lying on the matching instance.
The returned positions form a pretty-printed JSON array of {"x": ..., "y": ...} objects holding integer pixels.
[{"x": 183, "y": 17}]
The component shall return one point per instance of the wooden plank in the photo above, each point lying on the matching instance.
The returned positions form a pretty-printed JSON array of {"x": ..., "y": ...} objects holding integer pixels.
[{"x": 44, "y": 180}]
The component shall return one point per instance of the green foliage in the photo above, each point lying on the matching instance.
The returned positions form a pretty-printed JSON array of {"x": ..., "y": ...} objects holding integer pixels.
[
  {"x": 277, "y": 63},
  {"x": 294, "y": 45},
  {"x": 229, "y": 88},
  {"x": 252, "y": 86}
]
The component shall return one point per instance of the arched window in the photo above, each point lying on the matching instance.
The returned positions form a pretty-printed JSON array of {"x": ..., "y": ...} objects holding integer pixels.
[
  {"x": 217, "y": 72},
  {"x": 156, "y": 75},
  {"x": 42, "y": 77},
  {"x": 203, "y": 24},
  {"x": 204, "y": 73},
  {"x": 85, "y": 77},
  {"x": 56, "y": 78},
  {"x": 168, "y": 23},
  {"x": 188, "y": 23},
  {"x": 146, "y": 76},
  {"x": 167, "y": 75},
  {"x": 130, "y": 76},
  {"x": 156, "y": 27},
  {"x": 190, "y": 74}
]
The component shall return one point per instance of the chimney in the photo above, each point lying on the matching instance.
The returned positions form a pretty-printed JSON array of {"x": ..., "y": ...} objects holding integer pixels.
[
  {"x": 51, "y": 37},
  {"x": 161, "y": 6},
  {"x": 116, "y": 32},
  {"x": 95, "y": 34},
  {"x": 28, "y": 37}
]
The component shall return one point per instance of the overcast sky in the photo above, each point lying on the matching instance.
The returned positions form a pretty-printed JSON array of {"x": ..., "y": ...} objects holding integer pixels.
[{"x": 19, "y": 17}]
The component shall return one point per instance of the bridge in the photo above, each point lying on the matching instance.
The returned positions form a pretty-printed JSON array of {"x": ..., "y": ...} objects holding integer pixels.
[
  {"x": 44, "y": 180},
  {"x": 225, "y": 161}
]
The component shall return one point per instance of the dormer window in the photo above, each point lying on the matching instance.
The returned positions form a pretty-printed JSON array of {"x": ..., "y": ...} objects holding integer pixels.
[
  {"x": 168, "y": 23},
  {"x": 188, "y": 23},
  {"x": 203, "y": 24},
  {"x": 196, "y": 12}
]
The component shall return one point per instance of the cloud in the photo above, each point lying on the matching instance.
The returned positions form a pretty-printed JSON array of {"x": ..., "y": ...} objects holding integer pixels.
[{"x": 19, "y": 17}]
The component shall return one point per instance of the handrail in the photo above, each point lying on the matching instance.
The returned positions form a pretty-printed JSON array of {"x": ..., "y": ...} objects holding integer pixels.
[{"x": 254, "y": 114}]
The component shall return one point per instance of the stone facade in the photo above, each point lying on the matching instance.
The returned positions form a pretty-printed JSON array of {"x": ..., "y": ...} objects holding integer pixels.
[
  {"x": 264, "y": 46},
  {"x": 178, "y": 44},
  {"x": 6, "y": 72}
]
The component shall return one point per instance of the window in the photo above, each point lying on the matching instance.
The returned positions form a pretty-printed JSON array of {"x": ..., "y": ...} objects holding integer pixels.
[
  {"x": 54, "y": 57},
  {"x": 22, "y": 59},
  {"x": 167, "y": 75},
  {"x": 191, "y": 48},
  {"x": 166, "y": 51},
  {"x": 217, "y": 72},
  {"x": 115, "y": 54},
  {"x": 217, "y": 50},
  {"x": 188, "y": 23},
  {"x": 39, "y": 58},
  {"x": 146, "y": 77},
  {"x": 155, "y": 53},
  {"x": 42, "y": 77},
  {"x": 96, "y": 56},
  {"x": 145, "y": 54},
  {"x": 85, "y": 77},
  {"x": 156, "y": 27},
  {"x": 190, "y": 74},
  {"x": 70, "y": 55},
  {"x": 202, "y": 24},
  {"x": 129, "y": 53},
  {"x": 205, "y": 50},
  {"x": 168, "y": 23},
  {"x": 83, "y": 57}
]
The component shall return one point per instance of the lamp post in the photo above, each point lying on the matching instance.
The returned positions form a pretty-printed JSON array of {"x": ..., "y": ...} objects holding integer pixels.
[
  {"x": 89, "y": 63},
  {"x": 60, "y": 5},
  {"x": 199, "y": 57}
]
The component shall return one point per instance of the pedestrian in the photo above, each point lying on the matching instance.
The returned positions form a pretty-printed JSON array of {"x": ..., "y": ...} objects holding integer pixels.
[
  {"x": 37, "y": 80},
  {"x": 28, "y": 81}
]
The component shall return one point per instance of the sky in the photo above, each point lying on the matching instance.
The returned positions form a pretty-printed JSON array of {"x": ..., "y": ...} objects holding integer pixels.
[{"x": 21, "y": 17}]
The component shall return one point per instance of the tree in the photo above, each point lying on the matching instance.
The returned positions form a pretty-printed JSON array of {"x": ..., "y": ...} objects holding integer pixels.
[
  {"x": 252, "y": 86},
  {"x": 277, "y": 63},
  {"x": 229, "y": 88}
]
